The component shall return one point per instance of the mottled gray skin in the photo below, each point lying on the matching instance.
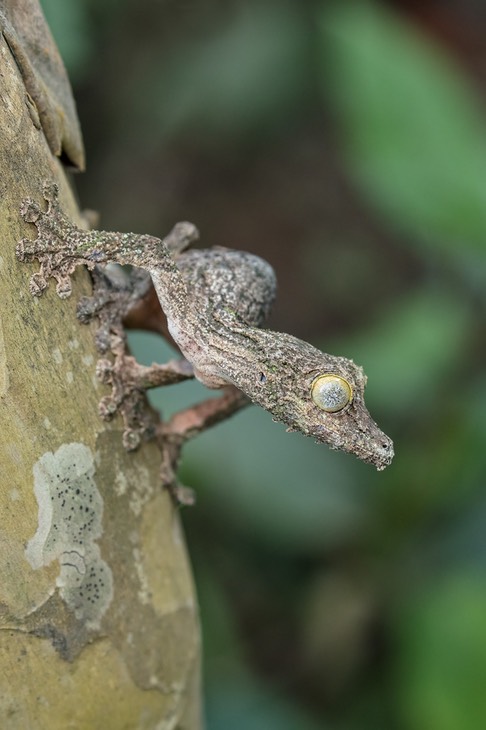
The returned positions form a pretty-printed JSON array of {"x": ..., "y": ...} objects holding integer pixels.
[{"x": 215, "y": 302}]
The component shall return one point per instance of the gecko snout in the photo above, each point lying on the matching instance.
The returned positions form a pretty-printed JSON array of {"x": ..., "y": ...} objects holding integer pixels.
[{"x": 384, "y": 453}]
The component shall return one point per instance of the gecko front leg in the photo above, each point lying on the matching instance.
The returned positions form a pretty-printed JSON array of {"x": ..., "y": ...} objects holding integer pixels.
[
  {"x": 186, "y": 425},
  {"x": 61, "y": 246},
  {"x": 55, "y": 260}
]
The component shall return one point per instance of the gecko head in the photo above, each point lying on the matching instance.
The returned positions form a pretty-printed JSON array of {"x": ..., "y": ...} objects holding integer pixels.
[{"x": 323, "y": 397}]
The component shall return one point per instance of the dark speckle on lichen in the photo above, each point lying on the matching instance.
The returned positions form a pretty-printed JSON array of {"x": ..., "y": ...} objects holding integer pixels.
[{"x": 70, "y": 522}]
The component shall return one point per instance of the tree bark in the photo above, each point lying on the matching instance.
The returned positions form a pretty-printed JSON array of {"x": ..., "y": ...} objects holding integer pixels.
[{"x": 98, "y": 616}]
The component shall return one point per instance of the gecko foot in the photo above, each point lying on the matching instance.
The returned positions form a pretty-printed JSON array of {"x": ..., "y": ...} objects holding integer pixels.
[
  {"x": 129, "y": 381},
  {"x": 127, "y": 399},
  {"x": 55, "y": 244},
  {"x": 115, "y": 295},
  {"x": 30, "y": 210},
  {"x": 50, "y": 191}
]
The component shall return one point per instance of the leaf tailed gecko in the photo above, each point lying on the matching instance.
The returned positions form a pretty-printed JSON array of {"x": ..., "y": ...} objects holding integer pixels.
[{"x": 216, "y": 301}]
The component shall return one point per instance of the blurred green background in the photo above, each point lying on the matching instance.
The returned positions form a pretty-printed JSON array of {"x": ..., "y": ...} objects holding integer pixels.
[{"x": 345, "y": 142}]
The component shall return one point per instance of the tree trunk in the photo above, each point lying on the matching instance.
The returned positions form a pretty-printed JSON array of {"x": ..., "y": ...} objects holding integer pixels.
[{"x": 98, "y": 618}]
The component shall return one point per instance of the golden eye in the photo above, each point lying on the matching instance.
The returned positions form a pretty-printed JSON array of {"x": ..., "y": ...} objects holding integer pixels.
[{"x": 331, "y": 392}]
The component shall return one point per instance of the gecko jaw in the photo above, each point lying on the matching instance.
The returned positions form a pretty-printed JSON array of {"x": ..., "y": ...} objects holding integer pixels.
[{"x": 368, "y": 442}]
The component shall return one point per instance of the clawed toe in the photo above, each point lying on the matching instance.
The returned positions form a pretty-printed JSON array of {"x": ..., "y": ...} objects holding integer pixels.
[
  {"x": 50, "y": 191},
  {"x": 37, "y": 284},
  {"x": 104, "y": 371},
  {"x": 108, "y": 407},
  {"x": 131, "y": 439},
  {"x": 26, "y": 250},
  {"x": 30, "y": 210},
  {"x": 64, "y": 287}
]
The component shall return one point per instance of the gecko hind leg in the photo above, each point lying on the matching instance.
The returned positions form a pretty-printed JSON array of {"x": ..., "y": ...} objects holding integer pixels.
[{"x": 185, "y": 425}]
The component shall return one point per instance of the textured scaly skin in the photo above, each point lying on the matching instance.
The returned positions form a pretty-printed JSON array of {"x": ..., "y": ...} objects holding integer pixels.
[{"x": 216, "y": 301}]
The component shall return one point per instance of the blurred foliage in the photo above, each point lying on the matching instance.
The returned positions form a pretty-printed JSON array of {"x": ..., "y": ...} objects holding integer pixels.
[
  {"x": 412, "y": 126},
  {"x": 346, "y": 143},
  {"x": 69, "y": 23},
  {"x": 247, "y": 91},
  {"x": 442, "y": 660}
]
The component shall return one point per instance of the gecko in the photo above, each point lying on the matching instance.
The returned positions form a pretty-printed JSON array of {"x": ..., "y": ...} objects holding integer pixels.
[{"x": 216, "y": 302}]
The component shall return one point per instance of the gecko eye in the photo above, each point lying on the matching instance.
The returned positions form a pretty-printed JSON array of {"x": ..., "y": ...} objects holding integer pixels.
[{"x": 331, "y": 392}]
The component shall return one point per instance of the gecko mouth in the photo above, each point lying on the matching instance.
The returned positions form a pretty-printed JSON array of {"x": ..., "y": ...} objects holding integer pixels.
[
  {"x": 373, "y": 446},
  {"x": 382, "y": 454}
]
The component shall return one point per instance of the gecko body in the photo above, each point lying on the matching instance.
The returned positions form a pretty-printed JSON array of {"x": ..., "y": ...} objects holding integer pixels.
[{"x": 216, "y": 302}]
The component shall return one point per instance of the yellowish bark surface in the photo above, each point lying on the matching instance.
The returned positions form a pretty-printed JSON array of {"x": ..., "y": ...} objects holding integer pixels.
[{"x": 98, "y": 619}]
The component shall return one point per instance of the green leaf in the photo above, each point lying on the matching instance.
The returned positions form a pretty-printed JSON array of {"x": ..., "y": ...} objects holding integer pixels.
[{"x": 413, "y": 133}]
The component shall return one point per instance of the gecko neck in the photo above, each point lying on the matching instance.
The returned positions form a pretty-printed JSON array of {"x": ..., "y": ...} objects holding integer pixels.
[{"x": 224, "y": 350}]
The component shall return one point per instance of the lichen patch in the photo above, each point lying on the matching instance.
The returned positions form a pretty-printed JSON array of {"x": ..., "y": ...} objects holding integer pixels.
[{"x": 69, "y": 523}]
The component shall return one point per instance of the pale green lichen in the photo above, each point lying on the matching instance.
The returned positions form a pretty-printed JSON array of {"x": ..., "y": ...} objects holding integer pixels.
[{"x": 70, "y": 522}]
